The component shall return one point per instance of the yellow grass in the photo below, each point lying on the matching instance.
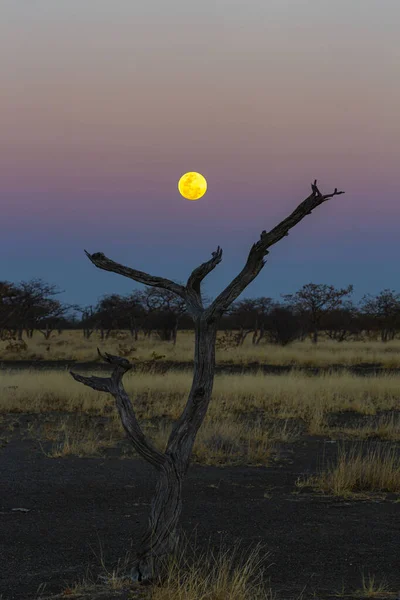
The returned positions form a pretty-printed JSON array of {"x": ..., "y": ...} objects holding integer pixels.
[
  {"x": 372, "y": 589},
  {"x": 387, "y": 427},
  {"x": 222, "y": 575},
  {"x": 72, "y": 345},
  {"x": 291, "y": 395},
  {"x": 248, "y": 414},
  {"x": 227, "y": 443},
  {"x": 225, "y": 437},
  {"x": 359, "y": 470}
]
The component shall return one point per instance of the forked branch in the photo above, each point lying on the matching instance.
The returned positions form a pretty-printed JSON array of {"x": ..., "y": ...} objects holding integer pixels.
[
  {"x": 198, "y": 274},
  {"x": 255, "y": 260},
  {"x": 114, "y": 386}
]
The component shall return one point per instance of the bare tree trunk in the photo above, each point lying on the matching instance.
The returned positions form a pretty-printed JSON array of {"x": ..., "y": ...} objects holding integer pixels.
[
  {"x": 175, "y": 334},
  {"x": 255, "y": 332},
  {"x": 261, "y": 335},
  {"x": 244, "y": 336},
  {"x": 133, "y": 328},
  {"x": 161, "y": 537}
]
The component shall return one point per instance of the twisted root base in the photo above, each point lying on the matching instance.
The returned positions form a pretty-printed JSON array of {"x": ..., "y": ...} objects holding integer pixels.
[{"x": 150, "y": 568}]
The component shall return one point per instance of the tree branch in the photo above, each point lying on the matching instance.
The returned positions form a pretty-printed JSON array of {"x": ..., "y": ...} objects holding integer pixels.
[
  {"x": 255, "y": 260},
  {"x": 102, "y": 262},
  {"x": 203, "y": 270},
  {"x": 114, "y": 386},
  {"x": 198, "y": 274}
]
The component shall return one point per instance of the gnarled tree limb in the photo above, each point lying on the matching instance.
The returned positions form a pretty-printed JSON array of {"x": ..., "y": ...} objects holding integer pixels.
[
  {"x": 113, "y": 385},
  {"x": 255, "y": 260},
  {"x": 102, "y": 262},
  {"x": 198, "y": 274},
  {"x": 203, "y": 270}
]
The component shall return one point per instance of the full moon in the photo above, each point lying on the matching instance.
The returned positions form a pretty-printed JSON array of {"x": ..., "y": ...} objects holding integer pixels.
[{"x": 192, "y": 185}]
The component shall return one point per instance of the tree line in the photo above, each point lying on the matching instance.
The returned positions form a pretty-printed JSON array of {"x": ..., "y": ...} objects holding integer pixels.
[{"x": 31, "y": 306}]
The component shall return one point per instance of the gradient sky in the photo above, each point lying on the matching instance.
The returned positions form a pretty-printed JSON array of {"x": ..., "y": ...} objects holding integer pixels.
[{"x": 104, "y": 104}]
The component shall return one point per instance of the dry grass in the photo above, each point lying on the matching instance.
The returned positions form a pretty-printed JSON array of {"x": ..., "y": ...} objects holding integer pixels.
[
  {"x": 225, "y": 575},
  {"x": 72, "y": 345},
  {"x": 292, "y": 395},
  {"x": 79, "y": 441},
  {"x": 358, "y": 470},
  {"x": 372, "y": 589},
  {"x": 248, "y": 416},
  {"x": 386, "y": 428},
  {"x": 226, "y": 443},
  {"x": 230, "y": 434}
]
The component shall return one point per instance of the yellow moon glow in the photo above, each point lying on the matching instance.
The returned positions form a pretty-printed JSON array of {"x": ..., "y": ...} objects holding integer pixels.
[{"x": 192, "y": 185}]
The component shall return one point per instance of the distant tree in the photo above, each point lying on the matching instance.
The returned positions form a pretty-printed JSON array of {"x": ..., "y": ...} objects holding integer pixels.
[
  {"x": 249, "y": 316},
  {"x": 89, "y": 320},
  {"x": 49, "y": 316},
  {"x": 110, "y": 314},
  {"x": 8, "y": 306},
  {"x": 164, "y": 313},
  {"x": 385, "y": 308},
  {"x": 283, "y": 325},
  {"x": 314, "y": 300},
  {"x": 264, "y": 307},
  {"x": 341, "y": 324},
  {"x": 34, "y": 308},
  {"x": 161, "y": 537},
  {"x": 135, "y": 313},
  {"x": 244, "y": 316}
]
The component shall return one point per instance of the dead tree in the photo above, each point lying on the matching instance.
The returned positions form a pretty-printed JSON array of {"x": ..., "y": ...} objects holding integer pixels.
[{"x": 161, "y": 536}]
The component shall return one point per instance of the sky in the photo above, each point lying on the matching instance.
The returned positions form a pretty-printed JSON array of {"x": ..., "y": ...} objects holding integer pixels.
[{"x": 104, "y": 104}]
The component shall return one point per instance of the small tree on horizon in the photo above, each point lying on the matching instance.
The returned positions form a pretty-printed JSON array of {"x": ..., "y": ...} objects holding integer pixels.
[
  {"x": 316, "y": 299},
  {"x": 161, "y": 537},
  {"x": 385, "y": 308}
]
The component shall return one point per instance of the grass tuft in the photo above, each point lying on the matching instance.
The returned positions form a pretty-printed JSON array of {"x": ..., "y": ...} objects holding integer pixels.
[{"x": 359, "y": 470}]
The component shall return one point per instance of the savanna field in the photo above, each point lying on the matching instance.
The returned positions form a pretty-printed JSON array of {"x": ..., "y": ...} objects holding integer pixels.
[{"x": 302, "y": 467}]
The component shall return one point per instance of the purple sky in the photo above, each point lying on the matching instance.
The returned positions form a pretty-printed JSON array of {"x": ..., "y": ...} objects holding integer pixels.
[{"x": 104, "y": 104}]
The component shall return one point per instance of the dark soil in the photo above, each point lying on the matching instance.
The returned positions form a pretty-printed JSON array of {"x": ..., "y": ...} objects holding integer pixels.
[{"x": 317, "y": 544}]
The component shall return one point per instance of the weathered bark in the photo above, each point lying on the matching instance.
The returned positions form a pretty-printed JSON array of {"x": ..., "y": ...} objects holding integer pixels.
[{"x": 161, "y": 537}]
